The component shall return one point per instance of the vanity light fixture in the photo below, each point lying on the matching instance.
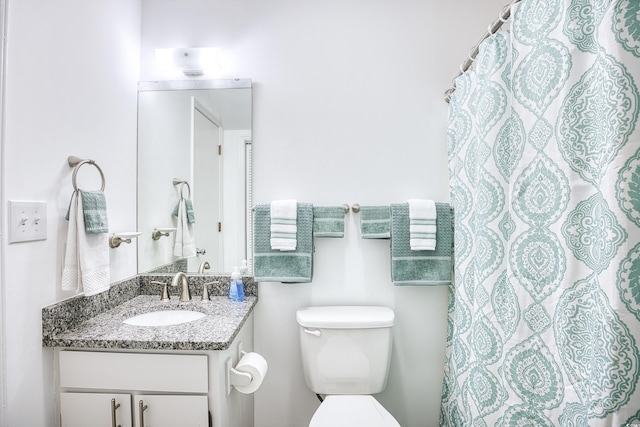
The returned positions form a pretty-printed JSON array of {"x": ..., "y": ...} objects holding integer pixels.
[{"x": 192, "y": 61}]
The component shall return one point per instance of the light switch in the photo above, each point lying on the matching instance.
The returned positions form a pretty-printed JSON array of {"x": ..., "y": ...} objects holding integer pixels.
[{"x": 27, "y": 221}]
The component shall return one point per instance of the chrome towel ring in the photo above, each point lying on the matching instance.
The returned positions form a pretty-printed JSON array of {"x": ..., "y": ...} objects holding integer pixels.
[{"x": 76, "y": 163}]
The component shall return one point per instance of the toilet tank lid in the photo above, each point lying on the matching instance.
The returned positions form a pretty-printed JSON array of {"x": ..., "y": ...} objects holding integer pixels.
[{"x": 345, "y": 317}]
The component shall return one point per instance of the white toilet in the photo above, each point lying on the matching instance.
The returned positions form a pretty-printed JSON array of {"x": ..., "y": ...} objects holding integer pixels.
[{"x": 346, "y": 352}]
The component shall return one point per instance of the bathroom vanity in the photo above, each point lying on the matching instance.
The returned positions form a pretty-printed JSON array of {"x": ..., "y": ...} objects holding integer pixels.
[
  {"x": 99, "y": 388},
  {"x": 111, "y": 373}
]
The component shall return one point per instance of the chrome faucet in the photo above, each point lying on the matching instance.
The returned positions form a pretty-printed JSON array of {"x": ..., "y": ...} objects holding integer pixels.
[
  {"x": 185, "y": 295},
  {"x": 203, "y": 266}
]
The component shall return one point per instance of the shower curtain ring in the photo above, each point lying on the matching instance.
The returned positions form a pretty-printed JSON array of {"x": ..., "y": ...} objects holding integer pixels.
[
  {"x": 505, "y": 14},
  {"x": 510, "y": 8}
]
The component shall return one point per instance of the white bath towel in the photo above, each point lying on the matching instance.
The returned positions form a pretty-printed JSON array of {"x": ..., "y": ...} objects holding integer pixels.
[
  {"x": 86, "y": 262},
  {"x": 284, "y": 227},
  {"x": 185, "y": 246},
  {"x": 422, "y": 224}
]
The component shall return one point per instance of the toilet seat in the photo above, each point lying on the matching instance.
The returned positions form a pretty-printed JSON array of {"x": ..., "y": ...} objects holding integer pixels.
[{"x": 352, "y": 411}]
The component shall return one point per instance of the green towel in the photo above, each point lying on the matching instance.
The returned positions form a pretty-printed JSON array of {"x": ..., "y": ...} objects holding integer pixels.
[
  {"x": 375, "y": 222},
  {"x": 272, "y": 265},
  {"x": 328, "y": 221},
  {"x": 421, "y": 267},
  {"x": 94, "y": 207},
  {"x": 191, "y": 217}
]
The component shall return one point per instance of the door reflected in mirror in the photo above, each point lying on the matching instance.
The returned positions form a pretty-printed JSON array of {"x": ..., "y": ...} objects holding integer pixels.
[
  {"x": 208, "y": 134},
  {"x": 198, "y": 131}
]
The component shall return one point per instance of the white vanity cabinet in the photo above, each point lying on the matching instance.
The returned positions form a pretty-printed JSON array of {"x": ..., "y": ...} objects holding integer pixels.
[
  {"x": 172, "y": 389},
  {"x": 182, "y": 386},
  {"x": 170, "y": 411},
  {"x": 95, "y": 409}
]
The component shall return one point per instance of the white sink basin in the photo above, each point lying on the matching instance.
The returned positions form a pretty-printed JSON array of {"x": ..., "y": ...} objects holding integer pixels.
[{"x": 164, "y": 318}]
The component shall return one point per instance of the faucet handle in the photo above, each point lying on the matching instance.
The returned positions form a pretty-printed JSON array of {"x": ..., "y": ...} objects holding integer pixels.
[
  {"x": 165, "y": 292},
  {"x": 205, "y": 290},
  {"x": 204, "y": 265}
]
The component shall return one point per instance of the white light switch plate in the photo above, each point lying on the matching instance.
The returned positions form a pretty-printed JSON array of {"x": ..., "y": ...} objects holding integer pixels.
[{"x": 27, "y": 221}]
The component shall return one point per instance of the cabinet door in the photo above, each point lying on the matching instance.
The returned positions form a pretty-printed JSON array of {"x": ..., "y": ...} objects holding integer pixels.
[
  {"x": 170, "y": 411},
  {"x": 95, "y": 409}
]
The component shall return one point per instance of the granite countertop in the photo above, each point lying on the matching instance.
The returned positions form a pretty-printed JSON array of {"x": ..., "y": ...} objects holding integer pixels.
[
  {"x": 215, "y": 331},
  {"x": 97, "y": 322}
]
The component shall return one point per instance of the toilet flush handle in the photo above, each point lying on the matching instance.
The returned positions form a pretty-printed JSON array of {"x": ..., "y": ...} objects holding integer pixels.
[{"x": 314, "y": 332}]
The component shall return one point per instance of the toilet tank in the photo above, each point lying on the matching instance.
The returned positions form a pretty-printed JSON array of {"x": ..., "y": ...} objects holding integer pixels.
[{"x": 345, "y": 349}]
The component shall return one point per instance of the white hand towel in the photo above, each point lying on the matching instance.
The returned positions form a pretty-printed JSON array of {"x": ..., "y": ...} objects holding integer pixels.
[
  {"x": 422, "y": 225},
  {"x": 71, "y": 270},
  {"x": 184, "y": 246},
  {"x": 284, "y": 214},
  {"x": 86, "y": 264}
]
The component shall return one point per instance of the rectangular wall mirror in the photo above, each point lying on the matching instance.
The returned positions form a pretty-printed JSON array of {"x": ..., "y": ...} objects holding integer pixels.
[{"x": 196, "y": 133}]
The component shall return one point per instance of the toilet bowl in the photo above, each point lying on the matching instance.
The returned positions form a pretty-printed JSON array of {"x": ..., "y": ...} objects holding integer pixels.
[
  {"x": 346, "y": 351},
  {"x": 352, "y": 411}
]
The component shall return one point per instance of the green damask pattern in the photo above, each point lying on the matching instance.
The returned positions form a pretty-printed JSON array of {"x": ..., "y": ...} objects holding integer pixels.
[
  {"x": 518, "y": 416},
  {"x": 596, "y": 348},
  {"x": 537, "y": 318},
  {"x": 536, "y": 20},
  {"x": 593, "y": 233},
  {"x": 541, "y": 191},
  {"x": 544, "y": 164},
  {"x": 597, "y": 117},
  {"x": 626, "y": 25},
  {"x": 534, "y": 375},
  {"x": 628, "y": 281},
  {"x": 538, "y": 262},
  {"x": 509, "y": 146},
  {"x": 580, "y": 31},
  {"x": 540, "y": 77},
  {"x": 628, "y": 188},
  {"x": 505, "y": 306}
]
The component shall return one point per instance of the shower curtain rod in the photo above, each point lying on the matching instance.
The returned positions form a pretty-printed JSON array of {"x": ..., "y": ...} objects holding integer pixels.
[{"x": 502, "y": 18}]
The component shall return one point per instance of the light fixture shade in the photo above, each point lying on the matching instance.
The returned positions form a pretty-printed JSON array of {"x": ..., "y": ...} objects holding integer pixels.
[{"x": 192, "y": 62}]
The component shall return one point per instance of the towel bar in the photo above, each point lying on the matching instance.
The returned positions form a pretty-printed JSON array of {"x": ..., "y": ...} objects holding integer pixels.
[
  {"x": 76, "y": 163},
  {"x": 356, "y": 208},
  {"x": 344, "y": 206}
]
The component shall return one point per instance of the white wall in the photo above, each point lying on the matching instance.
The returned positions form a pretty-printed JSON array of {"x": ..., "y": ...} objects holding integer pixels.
[
  {"x": 3, "y": 371},
  {"x": 72, "y": 69},
  {"x": 347, "y": 109}
]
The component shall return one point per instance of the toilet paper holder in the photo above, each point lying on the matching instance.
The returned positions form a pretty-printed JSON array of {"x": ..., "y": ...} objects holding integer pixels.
[{"x": 235, "y": 377}]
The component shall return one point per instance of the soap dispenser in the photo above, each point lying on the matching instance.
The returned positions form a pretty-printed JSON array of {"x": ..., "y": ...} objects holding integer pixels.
[{"x": 236, "y": 289}]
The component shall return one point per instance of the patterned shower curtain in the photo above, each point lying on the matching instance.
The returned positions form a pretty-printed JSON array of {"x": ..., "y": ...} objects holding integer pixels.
[{"x": 544, "y": 161}]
